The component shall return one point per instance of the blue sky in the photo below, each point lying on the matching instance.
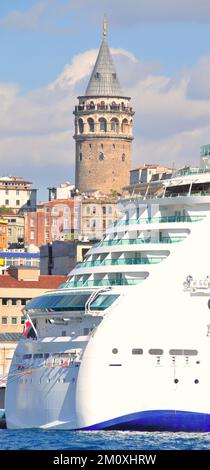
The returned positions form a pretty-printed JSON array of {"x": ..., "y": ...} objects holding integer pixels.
[{"x": 47, "y": 50}]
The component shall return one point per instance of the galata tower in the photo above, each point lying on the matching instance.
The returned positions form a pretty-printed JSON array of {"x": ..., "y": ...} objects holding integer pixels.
[{"x": 103, "y": 129}]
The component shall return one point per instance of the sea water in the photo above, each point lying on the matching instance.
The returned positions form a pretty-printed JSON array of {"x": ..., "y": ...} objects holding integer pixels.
[{"x": 34, "y": 439}]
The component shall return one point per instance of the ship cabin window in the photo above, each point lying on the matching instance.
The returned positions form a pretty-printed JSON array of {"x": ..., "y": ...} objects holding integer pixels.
[
  {"x": 38, "y": 356},
  {"x": 183, "y": 352},
  {"x": 156, "y": 352},
  {"x": 86, "y": 331},
  {"x": 114, "y": 350},
  {"x": 136, "y": 351},
  {"x": 46, "y": 355},
  {"x": 27, "y": 356}
]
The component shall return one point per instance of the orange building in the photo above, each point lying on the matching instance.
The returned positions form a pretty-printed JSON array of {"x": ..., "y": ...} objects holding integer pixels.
[{"x": 3, "y": 233}]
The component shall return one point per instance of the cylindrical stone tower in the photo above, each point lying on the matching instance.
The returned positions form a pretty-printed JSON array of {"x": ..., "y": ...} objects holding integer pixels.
[{"x": 103, "y": 129}]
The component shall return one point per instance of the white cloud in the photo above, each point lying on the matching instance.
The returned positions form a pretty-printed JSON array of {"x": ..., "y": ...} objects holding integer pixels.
[
  {"x": 171, "y": 120},
  {"x": 51, "y": 15},
  {"x": 28, "y": 20}
]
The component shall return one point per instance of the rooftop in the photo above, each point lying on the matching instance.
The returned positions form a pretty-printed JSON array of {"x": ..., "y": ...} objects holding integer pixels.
[
  {"x": 44, "y": 282},
  {"x": 10, "y": 336}
]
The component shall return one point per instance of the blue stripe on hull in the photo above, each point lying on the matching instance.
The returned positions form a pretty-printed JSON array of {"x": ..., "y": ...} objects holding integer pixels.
[{"x": 157, "y": 420}]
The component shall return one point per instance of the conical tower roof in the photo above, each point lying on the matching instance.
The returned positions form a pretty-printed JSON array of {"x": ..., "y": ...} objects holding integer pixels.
[{"x": 104, "y": 80}]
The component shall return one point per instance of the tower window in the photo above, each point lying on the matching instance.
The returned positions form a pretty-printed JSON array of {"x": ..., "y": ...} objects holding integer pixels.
[
  {"x": 102, "y": 146},
  {"x": 80, "y": 157},
  {"x": 90, "y": 146},
  {"x": 91, "y": 125},
  {"x": 124, "y": 126},
  {"x": 114, "y": 75},
  {"x": 97, "y": 75},
  {"x": 113, "y": 146},
  {"x": 81, "y": 126},
  {"x": 103, "y": 125},
  {"x": 101, "y": 156},
  {"x": 123, "y": 157},
  {"x": 115, "y": 125}
]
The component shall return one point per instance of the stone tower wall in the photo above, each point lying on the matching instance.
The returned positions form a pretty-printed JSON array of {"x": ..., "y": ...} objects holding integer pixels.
[
  {"x": 107, "y": 174},
  {"x": 103, "y": 134}
]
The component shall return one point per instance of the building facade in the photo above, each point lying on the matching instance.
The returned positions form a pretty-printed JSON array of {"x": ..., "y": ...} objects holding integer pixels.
[
  {"x": 60, "y": 257},
  {"x": 18, "y": 258},
  {"x": 64, "y": 191},
  {"x": 147, "y": 173},
  {"x": 97, "y": 216},
  {"x": 15, "y": 229},
  {"x": 53, "y": 220},
  {"x": 103, "y": 129},
  {"x": 16, "y": 289},
  {"x": 3, "y": 233},
  {"x": 17, "y": 194}
]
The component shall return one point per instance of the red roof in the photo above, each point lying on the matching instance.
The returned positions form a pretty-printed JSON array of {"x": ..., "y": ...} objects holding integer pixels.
[{"x": 44, "y": 282}]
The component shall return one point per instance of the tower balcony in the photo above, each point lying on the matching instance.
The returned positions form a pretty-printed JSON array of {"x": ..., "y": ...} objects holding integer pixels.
[
  {"x": 86, "y": 109},
  {"x": 103, "y": 135}
]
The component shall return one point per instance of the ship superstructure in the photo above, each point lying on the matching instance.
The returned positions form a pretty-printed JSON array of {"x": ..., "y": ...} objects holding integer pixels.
[{"x": 125, "y": 343}]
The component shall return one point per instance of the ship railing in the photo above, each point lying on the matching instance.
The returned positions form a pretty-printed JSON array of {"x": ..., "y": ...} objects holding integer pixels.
[
  {"x": 136, "y": 241},
  {"x": 164, "y": 219}
]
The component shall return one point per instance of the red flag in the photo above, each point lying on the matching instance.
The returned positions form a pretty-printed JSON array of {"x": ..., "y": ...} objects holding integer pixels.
[{"x": 26, "y": 328}]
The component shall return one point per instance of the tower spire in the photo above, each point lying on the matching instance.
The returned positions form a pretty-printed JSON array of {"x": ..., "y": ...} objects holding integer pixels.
[{"x": 104, "y": 28}]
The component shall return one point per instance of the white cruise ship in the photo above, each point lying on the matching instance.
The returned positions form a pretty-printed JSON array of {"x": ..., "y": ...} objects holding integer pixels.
[{"x": 125, "y": 343}]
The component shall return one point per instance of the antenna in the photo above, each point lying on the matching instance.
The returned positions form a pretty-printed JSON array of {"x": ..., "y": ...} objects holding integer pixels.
[{"x": 104, "y": 27}]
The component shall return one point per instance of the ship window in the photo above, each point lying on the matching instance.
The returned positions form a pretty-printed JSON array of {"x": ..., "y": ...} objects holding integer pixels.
[
  {"x": 183, "y": 352},
  {"x": 176, "y": 381},
  {"x": 115, "y": 350},
  {"x": 38, "y": 356},
  {"x": 86, "y": 331},
  {"x": 103, "y": 301},
  {"x": 46, "y": 355},
  {"x": 196, "y": 381},
  {"x": 156, "y": 352},
  {"x": 65, "y": 302},
  {"x": 137, "y": 351},
  {"x": 27, "y": 356}
]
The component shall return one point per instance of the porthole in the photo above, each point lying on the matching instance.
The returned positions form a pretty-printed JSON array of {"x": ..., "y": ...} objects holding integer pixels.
[
  {"x": 115, "y": 350},
  {"x": 176, "y": 381},
  {"x": 137, "y": 351},
  {"x": 156, "y": 352},
  {"x": 196, "y": 381},
  {"x": 183, "y": 352},
  {"x": 197, "y": 362}
]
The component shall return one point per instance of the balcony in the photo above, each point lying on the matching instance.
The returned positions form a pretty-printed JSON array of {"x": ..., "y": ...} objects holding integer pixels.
[
  {"x": 136, "y": 241},
  {"x": 121, "y": 261},
  {"x": 110, "y": 108},
  {"x": 99, "y": 283},
  {"x": 158, "y": 220}
]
